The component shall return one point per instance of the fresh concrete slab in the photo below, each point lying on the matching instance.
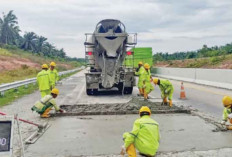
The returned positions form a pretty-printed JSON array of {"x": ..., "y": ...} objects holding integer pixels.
[{"x": 102, "y": 135}]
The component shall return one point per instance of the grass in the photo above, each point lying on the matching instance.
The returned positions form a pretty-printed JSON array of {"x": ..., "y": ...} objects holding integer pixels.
[
  {"x": 14, "y": 94},
  {"x": 23, "y": 73}
]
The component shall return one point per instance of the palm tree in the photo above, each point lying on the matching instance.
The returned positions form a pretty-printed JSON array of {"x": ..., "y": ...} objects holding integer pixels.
[
  {"x": 9, "y": 30},
  {"x": 61, "y": 53},
  {"x": 40, "y": 42},
  {"x": 48, "y": 49},
  {"x": 29, "y": 42}
]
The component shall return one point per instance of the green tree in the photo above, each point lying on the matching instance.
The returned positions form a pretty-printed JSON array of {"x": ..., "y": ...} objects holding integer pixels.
[
  {"x": 29, "y": 41},
  {"x": 9, "y": 31},
  {"x": 40, "y": 43}
]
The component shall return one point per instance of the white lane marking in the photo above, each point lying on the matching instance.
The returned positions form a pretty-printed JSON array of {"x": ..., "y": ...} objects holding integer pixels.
[{"x": 79, "y": 95}]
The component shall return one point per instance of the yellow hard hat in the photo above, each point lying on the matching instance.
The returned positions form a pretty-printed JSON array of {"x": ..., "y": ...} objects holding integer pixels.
[
  {"x": 145, "y": 109},
  {"x": 53, "y": 64},
  {"x": 55, "y": 91},
  {"x": 140, "y": 63},
  {"x": 155, "y": 80},
  {"x": 146, "y": 66},
  {"x": 44, "y": 66},
  {"x": 227, "y": 101}
]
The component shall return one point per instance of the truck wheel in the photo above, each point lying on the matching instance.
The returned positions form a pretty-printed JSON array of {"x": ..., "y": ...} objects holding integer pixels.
[
  {"x": 89, "y": 91},
  {"x": 95, "y": 91},
  {"x": 128, "y": 90}
]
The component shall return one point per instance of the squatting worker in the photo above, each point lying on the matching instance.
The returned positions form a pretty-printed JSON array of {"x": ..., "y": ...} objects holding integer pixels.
[
  {"x": 53, "y": 74},
  {"x": 147, "y": 86},
  {"x": 144, "y": 137},
  {"x": 43, "y": 81},
  {"x": 140, "y": 72},
  {"x": 227, "y": 112},
  {"x": 166, "y": 89},
  {"x": 44, "y": 106}
]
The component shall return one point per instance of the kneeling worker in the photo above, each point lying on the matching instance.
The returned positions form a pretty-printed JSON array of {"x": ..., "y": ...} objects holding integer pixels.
[
  {"x": 166, "y": 89},
  {"x": 144, "y": 137},
  {"x": 227, "y": 112},
  {"x": 44, "y": 106}
]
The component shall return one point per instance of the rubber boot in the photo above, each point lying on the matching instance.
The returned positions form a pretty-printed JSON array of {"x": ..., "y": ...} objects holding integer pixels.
[
  {"x": 170, "y": 103},
  {"x": 131, "y": 151},
  {"x": 46, "y": 113},
  {"x": 140, "y": 92},
  {"x": 165, "y": 101},
  {"x": 145, "y": 96}
]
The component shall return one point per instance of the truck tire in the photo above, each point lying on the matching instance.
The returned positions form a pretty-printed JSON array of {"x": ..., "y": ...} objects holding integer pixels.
[
  {"x": 89, "y": 91},
  {"x": 128, "y": 90}
]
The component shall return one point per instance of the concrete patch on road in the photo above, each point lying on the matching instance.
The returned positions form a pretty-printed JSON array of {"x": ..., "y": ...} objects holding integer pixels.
[{"x": 132, "y": 107}]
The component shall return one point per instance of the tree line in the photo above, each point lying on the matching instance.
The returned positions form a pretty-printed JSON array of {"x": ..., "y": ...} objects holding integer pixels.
[
  {"x": 30, "y": 41},
  {"x": 205, "y": 51}
]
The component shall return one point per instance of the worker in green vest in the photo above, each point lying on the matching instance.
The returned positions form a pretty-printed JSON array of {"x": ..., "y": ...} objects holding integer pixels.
[
  {"x": 140, "y": 71},
  {"x": 53, "y": 74},
  {"x": 146, "y": 77},
  {"x": 43, "y": 81},
  {"x": 166, "y": 89},
  {"x": 227, "y": 112},
  {"x": 144, "y": 136},
  {"x": 44, "y": 106}
]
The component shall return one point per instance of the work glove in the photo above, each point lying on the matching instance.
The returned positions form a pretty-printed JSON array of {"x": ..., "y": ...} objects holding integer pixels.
[
  {"x": 123, "y": 151},
  {"x": 223, "y": 122}
]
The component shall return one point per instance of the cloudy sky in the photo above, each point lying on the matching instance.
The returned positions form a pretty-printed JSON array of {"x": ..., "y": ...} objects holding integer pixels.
[{"x": 164, "y": 25}]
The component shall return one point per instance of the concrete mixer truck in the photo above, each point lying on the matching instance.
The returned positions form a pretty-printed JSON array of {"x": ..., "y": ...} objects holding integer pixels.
[{"x": 105, "y": 51}]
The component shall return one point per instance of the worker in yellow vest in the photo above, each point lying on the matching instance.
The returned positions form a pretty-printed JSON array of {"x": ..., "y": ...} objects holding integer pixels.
[
  {"x": 44, "y": 106},
  {"x": 147, "y": 85},
  {"x": 44, "y": 81},
  {"x": 227, "y": 112},
  {"x": 53, "y": 74},
  {"x": 140, "y": 72},
  {"x": 144, "y": 137}
]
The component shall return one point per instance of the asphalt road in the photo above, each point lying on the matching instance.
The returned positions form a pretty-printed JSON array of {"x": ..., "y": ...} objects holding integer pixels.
[{"x": 204, "y": 98}]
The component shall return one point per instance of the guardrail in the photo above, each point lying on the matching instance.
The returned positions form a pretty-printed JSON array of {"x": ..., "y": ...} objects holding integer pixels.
[
  {"x": 13, "y": 85},
  {"x": 220, "y": 78}
]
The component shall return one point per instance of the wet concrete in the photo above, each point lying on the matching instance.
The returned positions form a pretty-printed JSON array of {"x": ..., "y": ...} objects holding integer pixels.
[
  {"x": 132, "y": 107},
  {"x": 102, "y": 135}
]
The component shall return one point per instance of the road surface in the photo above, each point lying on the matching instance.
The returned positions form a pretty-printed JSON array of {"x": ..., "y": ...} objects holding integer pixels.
[{"x": 181, "y": 134}]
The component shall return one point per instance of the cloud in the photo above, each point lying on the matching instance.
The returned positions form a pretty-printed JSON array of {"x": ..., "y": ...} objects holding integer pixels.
[{"x": 163, "y": 25}]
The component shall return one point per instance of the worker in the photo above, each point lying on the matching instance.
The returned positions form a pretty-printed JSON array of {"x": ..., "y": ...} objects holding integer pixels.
[
  {"x": 227, "y": 112},
  {"x": 43, "y": 81},
  {"x": 144, "y": 137},
  {"x": 140, "y": 72},
  {"x": 44, "y": 106},
  {"x": 53, "y": 74},
  {"x": 147, "y": 86},
  {"x": 166, "y": 89}
]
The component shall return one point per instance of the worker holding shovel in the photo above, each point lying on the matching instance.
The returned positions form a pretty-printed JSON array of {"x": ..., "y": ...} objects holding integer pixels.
[{"x": 44, "y": 106}]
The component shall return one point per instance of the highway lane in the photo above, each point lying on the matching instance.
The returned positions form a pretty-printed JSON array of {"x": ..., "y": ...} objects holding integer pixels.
[{"x": 204, "y": 98}]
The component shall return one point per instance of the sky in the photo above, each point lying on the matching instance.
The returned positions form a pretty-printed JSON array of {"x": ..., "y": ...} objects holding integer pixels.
[{"x": 164, "y": 25}]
